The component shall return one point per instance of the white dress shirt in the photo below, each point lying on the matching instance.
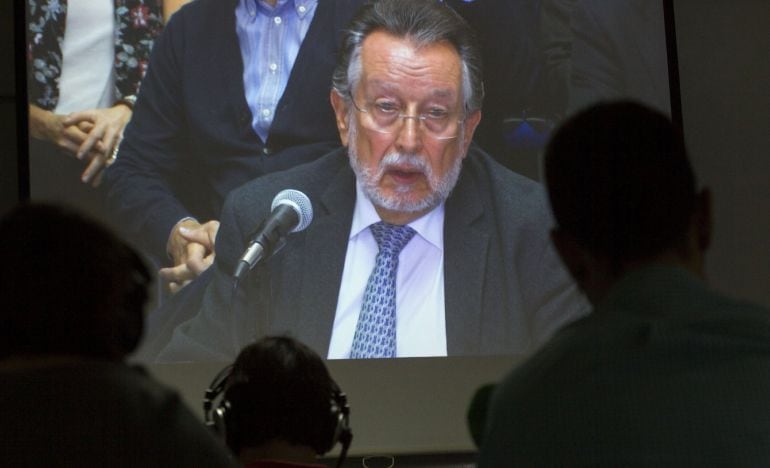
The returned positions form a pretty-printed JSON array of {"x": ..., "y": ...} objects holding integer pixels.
[{"x": 420, "y": 320}]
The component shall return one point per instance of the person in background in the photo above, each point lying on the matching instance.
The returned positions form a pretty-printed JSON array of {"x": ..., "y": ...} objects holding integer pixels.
[
  {"x": 86, "y": 60},
  {"x": 277, "y": 406},
  {"x": 235, "y": 89},
  {"x": 618, "y": 52},
  {"x": 73, "y": 299},
  {"x": 665, "y": 371}
]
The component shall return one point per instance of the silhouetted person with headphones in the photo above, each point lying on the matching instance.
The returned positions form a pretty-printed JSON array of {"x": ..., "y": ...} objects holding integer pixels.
[
  {"x": 665, "y": 371},
  {"x": 277, "y": 406},
  {"x": 73, "y": 296}
]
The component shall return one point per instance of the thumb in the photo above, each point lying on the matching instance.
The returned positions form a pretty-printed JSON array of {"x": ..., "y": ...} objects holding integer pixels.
[
  {"x": 197, "y": 235},
  {"x": 76, "y": 117}
]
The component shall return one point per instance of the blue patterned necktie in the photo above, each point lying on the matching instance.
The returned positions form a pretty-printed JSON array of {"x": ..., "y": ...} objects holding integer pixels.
[{"x": 375, "y": 335}]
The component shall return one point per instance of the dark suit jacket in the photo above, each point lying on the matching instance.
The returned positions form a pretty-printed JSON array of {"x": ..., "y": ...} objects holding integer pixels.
[
  {"x": 619, "y": 50},
  {"x": 190, "y": 140},
  {"x": 665, "y": 372},
  {"x": 100, "y": 413},
  {"x": 505, "y": 290}
]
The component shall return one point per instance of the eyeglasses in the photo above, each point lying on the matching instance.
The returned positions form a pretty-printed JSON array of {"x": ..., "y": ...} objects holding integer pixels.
[{"x": 388, "y": 117}]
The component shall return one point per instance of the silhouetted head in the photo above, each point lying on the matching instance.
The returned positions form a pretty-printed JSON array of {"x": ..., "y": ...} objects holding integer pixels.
[
  {"x": 69, "y": 286},
  {"x": 623, "y": 192},
  {"x": 280, "y": 390}
]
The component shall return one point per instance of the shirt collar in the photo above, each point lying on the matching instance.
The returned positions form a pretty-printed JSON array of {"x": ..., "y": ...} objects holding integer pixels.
[
  {"x": 429, "y": 226},
  {"x": 301, "y": 7}
]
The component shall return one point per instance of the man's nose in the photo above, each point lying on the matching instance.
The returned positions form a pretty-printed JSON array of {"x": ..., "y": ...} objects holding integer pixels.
[{"x": 409, "y": 137}]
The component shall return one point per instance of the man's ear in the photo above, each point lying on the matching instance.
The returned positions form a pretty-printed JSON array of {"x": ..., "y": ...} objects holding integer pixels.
[
  {"x": 469, "y": 127},
  {"x": 340, "y": 106}
]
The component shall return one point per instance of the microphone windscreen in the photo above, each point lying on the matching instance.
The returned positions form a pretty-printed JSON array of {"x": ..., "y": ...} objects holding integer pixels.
[{"x": 299, "y": 202}]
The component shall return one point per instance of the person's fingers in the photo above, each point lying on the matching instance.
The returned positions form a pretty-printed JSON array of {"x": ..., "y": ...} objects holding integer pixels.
[
  {"x": 204, "y": 234},
  {"x": 68, "y": 146},
  {"x": 75, "y": 118},
  {"x": 177, "y": 244},
  {"x": 94, "y": 169},
  {"x": 175, "y": 278},
  {"x": 111, "y": 140},
  {"x": 74, "y": 135},
  {"x": 212, "y": 227},
  {"x": 97, "y": 181},
  {"x": 199, "y": 265},
  {"x": 175, "y": 287},
  {"x": 176, "y": 274},
  {"x": 194, "y": 253},
  {"x": 85, "y": 126},
  {"x": 198, "y": 235},
  {"x": 93, "y": 137}
]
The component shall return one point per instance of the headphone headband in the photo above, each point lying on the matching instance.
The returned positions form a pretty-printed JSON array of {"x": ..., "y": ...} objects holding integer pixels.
[{"x": 218, "y": 410}]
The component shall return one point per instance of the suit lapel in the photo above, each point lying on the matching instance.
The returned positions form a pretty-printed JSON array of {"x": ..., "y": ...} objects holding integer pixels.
[
  {"x": 465, "y": 251},
  {"x": 326, "y": 244}
]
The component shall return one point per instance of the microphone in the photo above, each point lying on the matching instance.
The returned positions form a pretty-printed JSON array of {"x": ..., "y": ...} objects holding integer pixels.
[{"x": 291, "y": 211}]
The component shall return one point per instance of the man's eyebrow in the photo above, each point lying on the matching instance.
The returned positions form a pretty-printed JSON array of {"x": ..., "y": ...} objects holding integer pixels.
[
  {"x": 381, "y": 84},
  {"x": 443, "y": 92},
  {"x": 377, "y": 84}
]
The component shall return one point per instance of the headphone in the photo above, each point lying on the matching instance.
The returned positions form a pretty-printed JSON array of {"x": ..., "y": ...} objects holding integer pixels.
[{"x": 227, "y": 392}]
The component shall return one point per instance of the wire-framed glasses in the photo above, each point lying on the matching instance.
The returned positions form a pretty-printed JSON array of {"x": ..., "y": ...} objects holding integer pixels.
[{"x": 387, "y": 116}]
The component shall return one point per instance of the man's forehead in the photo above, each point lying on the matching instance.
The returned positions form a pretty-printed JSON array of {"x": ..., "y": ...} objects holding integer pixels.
[
  {"x": 376, "y": 84},
  {"x": 386, "y": 57},
  {"x": 380, "y": 41}
]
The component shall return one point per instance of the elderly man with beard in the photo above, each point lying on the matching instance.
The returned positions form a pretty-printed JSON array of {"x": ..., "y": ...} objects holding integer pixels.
[{"x": 475, "y": 273}]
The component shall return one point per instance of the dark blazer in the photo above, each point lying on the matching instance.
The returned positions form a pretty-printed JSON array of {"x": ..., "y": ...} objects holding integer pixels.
[
  {"x": 505, "y": 290},
  {"x": 190, "y": 140},
  {"x": 619, "y": 50}
]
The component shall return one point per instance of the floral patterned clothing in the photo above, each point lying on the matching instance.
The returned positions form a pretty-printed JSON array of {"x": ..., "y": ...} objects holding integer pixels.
[{"x": 137, "y": 24}]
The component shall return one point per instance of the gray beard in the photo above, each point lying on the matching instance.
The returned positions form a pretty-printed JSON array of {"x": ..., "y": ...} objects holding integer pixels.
[{"x": 440, "y": 188}]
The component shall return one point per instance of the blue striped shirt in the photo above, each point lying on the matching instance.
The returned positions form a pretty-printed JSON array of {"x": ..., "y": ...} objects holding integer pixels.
[{"x": 270, "y": 38}]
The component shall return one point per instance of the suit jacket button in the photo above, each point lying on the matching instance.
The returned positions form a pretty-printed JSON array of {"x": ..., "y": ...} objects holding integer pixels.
[{"x": 266, "y": 151}]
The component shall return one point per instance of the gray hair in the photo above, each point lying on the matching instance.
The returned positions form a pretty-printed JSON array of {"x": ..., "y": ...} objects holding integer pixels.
[{"x": 424, "y": 22}]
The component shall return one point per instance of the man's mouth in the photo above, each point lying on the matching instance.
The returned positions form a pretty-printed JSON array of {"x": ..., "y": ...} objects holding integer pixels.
[{"x": 404, "y": 175}]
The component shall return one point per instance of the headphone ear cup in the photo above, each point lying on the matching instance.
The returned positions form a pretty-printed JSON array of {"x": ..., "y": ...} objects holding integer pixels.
[
  {"x": 222, "y": 419},
  {"x": 217, "y": 407},
  {"x": 339, "y": 419}
]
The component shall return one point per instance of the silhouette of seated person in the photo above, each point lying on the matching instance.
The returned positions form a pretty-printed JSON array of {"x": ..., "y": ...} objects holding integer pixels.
[
  {"x": 277, "y": 406},
  {"x": 73, "y": 298},
  {"x": 666, "y": 371}
]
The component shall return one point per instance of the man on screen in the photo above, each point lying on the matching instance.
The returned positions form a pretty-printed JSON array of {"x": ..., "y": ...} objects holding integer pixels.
[{"x": 457, "y": 244}]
